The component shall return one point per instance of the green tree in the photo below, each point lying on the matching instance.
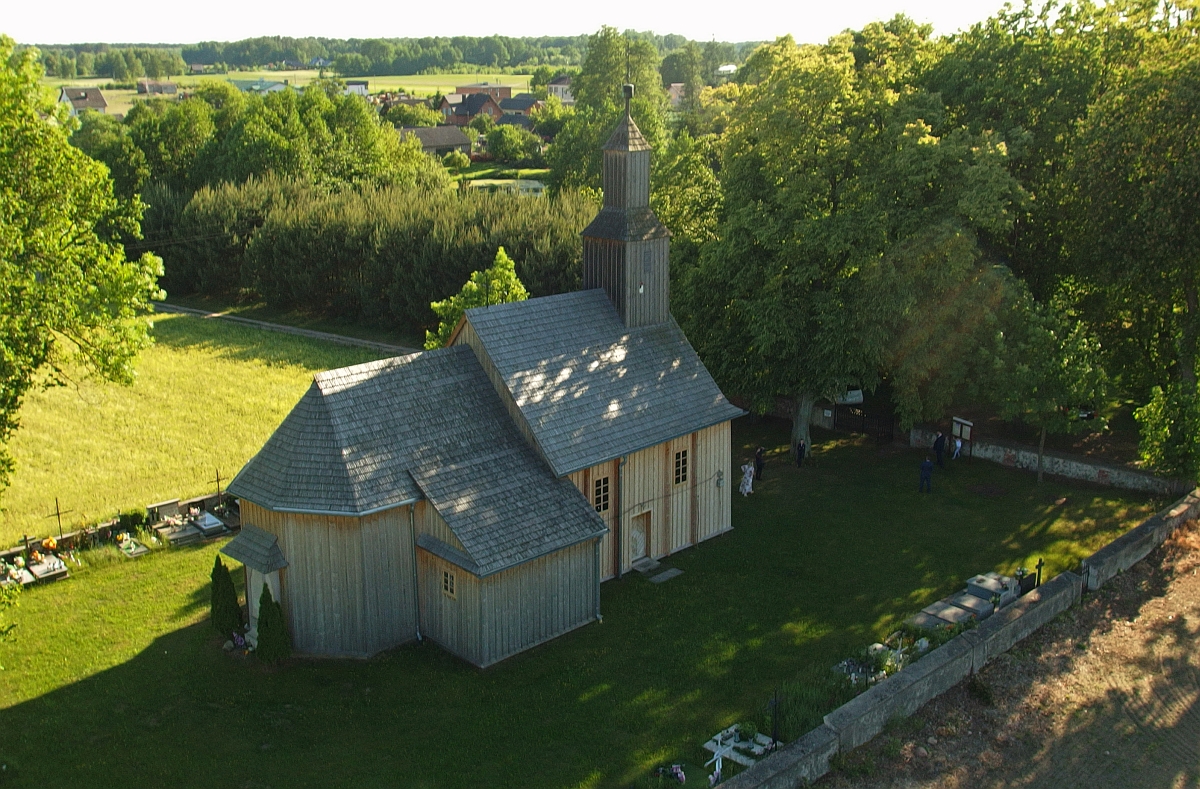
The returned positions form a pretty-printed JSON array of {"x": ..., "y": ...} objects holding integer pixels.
[
  {"x": 495, "y": 285},
  {"x": 834, "y": 177},
  {"x": 512, "y": 144},
  {"x": 71, "y": 297},
  {"x": 482, "y": 123},
  {"x": 401, "y": 115},
  {"x": 274, "y": 641},
  {"x": 1045, "y": 369},
  {"x": 224, "y": 610},
  {"x": 106, "y": 139},
  {"x": 549, "y": 119},
  {"x": 9, "y": 595},
  {"x": 456, "y": 160},
  {"x": 612, "y": 60},
  {"x": 1137, "y": 241}
]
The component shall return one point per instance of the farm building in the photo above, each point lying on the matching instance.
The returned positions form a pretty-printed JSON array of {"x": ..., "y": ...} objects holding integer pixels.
[
  {"x": 81, "y": 99},
  {"x": 438, "y": 140},
  {"x": 479, "y": 494}
]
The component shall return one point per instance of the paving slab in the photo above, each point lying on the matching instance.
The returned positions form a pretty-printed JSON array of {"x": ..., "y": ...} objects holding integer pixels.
[
  {"x": 666, "y": 575},
  {"x": 925, "y": 621},
  {"x": 949, "y": 614},
  {"x": 969, "y": 602},
  {"x": 645, "y": 565}
]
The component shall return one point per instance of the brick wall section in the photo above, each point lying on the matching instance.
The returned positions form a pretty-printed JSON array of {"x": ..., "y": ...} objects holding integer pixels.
[
  {"x": 863, "y": 717},
  {"x": 1062, "y": 465}
]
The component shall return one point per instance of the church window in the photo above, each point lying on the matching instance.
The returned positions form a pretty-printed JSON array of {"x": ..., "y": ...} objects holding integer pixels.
[
  {"x": 600, "y": 495},
  {"x": 681, "y": 466},
  {"x": 448, "y": 584}
]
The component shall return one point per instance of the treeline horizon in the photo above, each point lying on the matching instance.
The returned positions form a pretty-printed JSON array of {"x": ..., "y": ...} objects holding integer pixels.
[{"x": 368, "y": 56}]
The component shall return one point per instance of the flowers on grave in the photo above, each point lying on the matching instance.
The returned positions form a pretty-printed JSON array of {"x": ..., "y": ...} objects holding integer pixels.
[
  {"x": 49, "y": 543},
  {"x": 19, "y": 562},
  {"x": 36, "y": 556},
  {"x": 122, "y": 537},
  {"x": 747, "y": 731},
  {"x": 1021, "y": 573},
  {"x": 674, "y": 772}
]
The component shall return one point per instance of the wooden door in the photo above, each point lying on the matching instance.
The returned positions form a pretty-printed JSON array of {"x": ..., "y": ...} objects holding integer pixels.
[{"x": 639, "y": 536}]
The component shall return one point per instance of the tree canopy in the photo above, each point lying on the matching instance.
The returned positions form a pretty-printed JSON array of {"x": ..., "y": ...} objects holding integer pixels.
[
  {"x": 71, "y": 299},
  {"x": 497, "y": 284}
]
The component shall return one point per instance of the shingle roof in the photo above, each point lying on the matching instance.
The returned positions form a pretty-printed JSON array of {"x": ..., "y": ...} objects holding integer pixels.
[
  {"x": 591, "y": 389},
  {"x": 633, "y": 224},
  {"x": 436, "y": 136},
  {"x": 524, "y": 121},
  {"x": 257, "y": 549},
  {"x": 626, "y": 137},
  {"x": 522, "y": 102},
  {"x": 84, "y": 98},
  {"x": 428, "y": 425},
  {"x": 472, "y": 104}
]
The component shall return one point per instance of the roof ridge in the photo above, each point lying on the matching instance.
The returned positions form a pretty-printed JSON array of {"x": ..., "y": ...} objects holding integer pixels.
[{"x": 339, "y": 434}]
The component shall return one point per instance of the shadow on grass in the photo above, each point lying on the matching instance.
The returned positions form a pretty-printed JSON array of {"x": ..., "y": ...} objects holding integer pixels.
[{"x": 822, "y": 561}]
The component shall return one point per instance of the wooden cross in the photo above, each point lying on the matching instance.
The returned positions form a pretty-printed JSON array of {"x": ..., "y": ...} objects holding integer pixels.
[{"x": 58, "y": 513}]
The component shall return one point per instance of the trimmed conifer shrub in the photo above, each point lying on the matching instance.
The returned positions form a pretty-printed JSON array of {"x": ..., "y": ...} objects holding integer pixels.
[
  {"x": 226, "y": 613},
  {"x": 274, "y": 642}
]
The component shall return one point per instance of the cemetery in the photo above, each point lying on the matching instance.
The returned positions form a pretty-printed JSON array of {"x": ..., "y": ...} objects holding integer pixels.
[{"x": 679, "y": 661}]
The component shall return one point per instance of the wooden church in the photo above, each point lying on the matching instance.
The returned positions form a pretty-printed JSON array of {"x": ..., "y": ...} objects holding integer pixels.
[{"x": 477, "y": 495}]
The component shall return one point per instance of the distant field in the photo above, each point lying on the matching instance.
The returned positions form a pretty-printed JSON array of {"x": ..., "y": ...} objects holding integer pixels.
[
  {"x": 208, "y": 394},
  {"x": 417, "y": 84}
]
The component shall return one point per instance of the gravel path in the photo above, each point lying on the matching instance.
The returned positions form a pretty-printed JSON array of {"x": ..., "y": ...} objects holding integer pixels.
[
  {"x": 391, "y": 350},
  {"x": 1108, "y": 695}
]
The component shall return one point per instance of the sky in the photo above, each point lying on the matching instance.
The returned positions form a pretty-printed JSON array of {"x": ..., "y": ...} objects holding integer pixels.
[{"x": 144, "y": 21}]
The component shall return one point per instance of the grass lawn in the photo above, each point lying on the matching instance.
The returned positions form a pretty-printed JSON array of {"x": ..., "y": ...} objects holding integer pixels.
[
  {"x": 494, "y": 170},
  {"x": 116, "y": 680},
  {"x": 208, "y": 394}
]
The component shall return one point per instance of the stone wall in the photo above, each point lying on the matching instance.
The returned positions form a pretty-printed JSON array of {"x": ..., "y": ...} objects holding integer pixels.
[
  {"x": 900, "y": 695},
  {"x": 1063, "y": 465}
]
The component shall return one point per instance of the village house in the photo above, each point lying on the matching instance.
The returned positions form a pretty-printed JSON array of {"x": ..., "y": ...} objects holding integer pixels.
[
  {"x": 459, "y": 109},
  {"x": 80, "y": 99},
  {"x": 439, "y": 140},
  {"x": 497, "y": 92},
  {"x": 357, "y": 87},
  {"x": 561, "y": 87},
  {"x": 521, "y": 104},
  {"x": 675, "y": 94},
  {"x": 477, "y": 495}
]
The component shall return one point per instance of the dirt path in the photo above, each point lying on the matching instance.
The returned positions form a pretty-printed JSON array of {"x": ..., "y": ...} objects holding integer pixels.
[{"x": 1107, "y": 695}]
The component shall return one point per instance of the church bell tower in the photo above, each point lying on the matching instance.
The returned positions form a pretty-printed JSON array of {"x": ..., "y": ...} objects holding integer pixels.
[{"x": 625, "y": 248}]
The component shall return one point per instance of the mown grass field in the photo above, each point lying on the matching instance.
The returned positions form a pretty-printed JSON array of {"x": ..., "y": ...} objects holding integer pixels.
[
  {"x": 208, "y": 394},
  {"x": 118, "y": 670}
]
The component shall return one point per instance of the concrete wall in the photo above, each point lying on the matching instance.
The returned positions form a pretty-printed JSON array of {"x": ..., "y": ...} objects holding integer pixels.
[
  {"x": 1133, "y": 546},
  {"x": 1072, "y": 467},
  {"x": 900, "y": 695}
]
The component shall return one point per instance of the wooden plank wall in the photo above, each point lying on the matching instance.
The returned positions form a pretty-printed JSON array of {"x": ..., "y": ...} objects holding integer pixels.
[
  {"x": 348, "y": 587},
  {"x": 429, "y": 521},
  {"x": 452, "y": 623},
  {"x": 680, "y": 515},
  {"x": 536, "y": 601}
]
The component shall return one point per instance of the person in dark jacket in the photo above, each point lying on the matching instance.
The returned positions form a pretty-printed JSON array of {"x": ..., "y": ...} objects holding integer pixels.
[
  {"x": 939, "y": 447},
  {"x": 926, "y": 485},
  {"x": 800, "y": 453},
  {"x": 759, "y": 462}
]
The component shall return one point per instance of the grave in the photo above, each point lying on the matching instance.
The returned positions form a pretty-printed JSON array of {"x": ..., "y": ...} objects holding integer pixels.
[
  {"x": 949, "y": 614},
  {"x": 179, "y": 533},
  {"x": 51, "y": 568},
  {"x": 989, "y": 584},
  {"x": 965, "y": 600},
  {"x": 208, "y": 524},
  {"x": 742, "y": 752}
]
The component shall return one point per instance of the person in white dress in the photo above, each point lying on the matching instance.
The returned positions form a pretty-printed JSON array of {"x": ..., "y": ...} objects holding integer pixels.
[{"x": 747, "y": 486}]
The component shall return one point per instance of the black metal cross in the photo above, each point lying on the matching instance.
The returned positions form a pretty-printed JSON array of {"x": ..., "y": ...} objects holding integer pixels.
[{"x": 58, "y": 513}]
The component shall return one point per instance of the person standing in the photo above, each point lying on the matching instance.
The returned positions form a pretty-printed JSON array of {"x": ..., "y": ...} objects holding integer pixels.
[
  {"x": 939, "y": 447},
  {"x": 800, "y": 453},
  {"x": 926, "y": 485},
  {"x": 957, "y": 449},
  {"x": 759, "y": 463},
  {"x": 747, "y": 486}
]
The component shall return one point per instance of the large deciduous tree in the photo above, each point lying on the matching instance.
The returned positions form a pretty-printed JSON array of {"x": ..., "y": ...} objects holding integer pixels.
[
  {"x": 69, "y": 295},
  {"x": 841, "y": 181},
  {"x": 497, "y": 284},
  {"x": 612, "y": 60},
  {"x": 1137, "y": 168}
]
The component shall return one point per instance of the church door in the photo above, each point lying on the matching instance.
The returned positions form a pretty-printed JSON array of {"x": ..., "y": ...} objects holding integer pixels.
[{"x": 638, "y": 536}]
